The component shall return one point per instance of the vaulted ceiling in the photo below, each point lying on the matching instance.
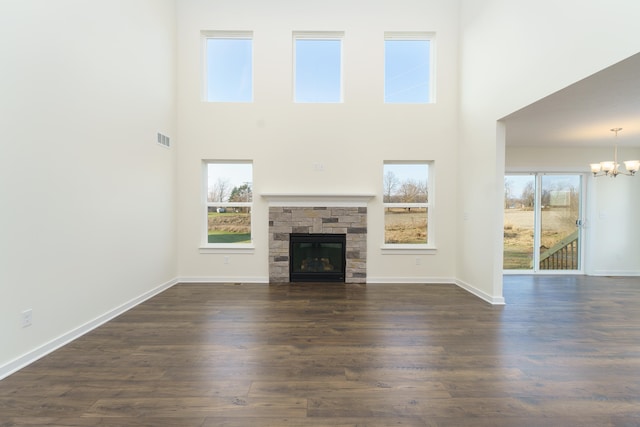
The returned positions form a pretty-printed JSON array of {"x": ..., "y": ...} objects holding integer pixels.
[{"x": 581, "y": 115}]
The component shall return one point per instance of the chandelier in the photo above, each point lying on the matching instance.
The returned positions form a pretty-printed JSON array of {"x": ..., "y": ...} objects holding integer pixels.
[{"x": 611, "y": 168}]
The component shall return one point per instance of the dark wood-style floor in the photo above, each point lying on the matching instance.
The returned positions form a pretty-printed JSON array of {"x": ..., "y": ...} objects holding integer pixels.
[{"x": 564, "y": 351}]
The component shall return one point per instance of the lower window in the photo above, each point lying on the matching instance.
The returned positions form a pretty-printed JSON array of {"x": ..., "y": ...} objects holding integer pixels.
[
  {"x": 407, "y": 206},
  {"x": 229, "y": 201}
]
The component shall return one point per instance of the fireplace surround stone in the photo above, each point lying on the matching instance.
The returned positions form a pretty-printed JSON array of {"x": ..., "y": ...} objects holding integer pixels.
[{"x": 352, "y": 221}]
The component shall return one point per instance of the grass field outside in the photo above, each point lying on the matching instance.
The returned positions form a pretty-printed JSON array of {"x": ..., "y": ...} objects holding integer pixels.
[
  {"x": 405, "y": 226},
  {"x": 229, "y": 227},
  {"x": 519, "y": 239}
]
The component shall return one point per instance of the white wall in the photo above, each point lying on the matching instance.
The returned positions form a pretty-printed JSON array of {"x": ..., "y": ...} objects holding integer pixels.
[
  {"x": 557, "y": 159},
  {"x": 284, "y": 139},
  {"x": 614, "y": 227},
  {"x": 87, "y": 218},
  {"x": 612, "y": 223},
  {"x": 512, "y": 54}
]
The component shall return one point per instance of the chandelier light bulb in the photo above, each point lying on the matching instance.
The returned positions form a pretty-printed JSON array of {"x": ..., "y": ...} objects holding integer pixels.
[{"x": 632, "y": 166}]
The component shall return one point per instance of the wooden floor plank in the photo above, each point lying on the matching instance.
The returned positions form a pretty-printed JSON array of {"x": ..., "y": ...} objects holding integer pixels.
[
  {"x": 563, "y": 352},
  {"x": 184, "y": 407}
]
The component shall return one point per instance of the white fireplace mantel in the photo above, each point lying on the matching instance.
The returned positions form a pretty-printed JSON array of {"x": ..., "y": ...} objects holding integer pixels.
[{"x": 318, "y": 200}]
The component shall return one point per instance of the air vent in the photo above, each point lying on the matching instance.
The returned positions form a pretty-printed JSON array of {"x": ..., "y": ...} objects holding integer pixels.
[{"x": 164, "y": 140}]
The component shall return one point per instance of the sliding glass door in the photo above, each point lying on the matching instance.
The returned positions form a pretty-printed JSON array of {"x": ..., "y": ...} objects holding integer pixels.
[
  {"x": 542, "y": 223},
  {"x": 519, "y": 221}
]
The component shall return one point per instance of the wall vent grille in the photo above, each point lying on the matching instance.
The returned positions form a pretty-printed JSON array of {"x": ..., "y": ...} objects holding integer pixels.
[{"x": 164, "y": 140}]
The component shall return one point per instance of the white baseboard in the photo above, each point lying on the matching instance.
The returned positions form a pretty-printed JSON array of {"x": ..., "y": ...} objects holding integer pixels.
[
  {"x": 433, "y": 280},
  {"x": 409, "y": 280},
  {"x": 43, "y": 350},
  {"x": 258, "y": 279},
  {"x": 616, "y": 273},
  {"x": 494, "y": 300}
]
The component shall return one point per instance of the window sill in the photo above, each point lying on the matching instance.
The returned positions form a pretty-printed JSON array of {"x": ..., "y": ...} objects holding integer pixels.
[
  {"x": 408, "y": 250},
  {"x": 239, "y": 248}
]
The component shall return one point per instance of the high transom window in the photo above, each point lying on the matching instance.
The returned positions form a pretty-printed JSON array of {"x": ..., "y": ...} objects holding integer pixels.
[
  {"x": 318, "y": 67},
  {"x": 228, "y": 66},
  {"x": 408, "y": 68}
]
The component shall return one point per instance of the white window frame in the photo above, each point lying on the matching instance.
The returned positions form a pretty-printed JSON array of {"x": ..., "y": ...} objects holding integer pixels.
[
  {"x": 205, "y": 246},
  {"x": 319, "y": 35},
  {"x": 213, "y": 34},
  {"x": 413, "y": 248},
  {"x": 416, "y": 35}
]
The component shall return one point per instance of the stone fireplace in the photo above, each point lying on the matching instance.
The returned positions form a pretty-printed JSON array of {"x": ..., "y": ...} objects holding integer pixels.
[{"x": 287, "y": 217}]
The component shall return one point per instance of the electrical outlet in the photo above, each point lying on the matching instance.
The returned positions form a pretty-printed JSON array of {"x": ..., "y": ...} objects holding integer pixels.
[
  {"x": 418, "y": 261},
  {"x": 26, "y": 318},
  {"x": 226, "y": 260}
]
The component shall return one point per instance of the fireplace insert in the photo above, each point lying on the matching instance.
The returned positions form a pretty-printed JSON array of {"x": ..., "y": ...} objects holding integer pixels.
[{"x": 317, "y": 257}]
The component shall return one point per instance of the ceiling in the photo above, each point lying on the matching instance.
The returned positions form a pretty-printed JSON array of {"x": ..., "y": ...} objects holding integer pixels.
[{"x": 583, "y": 114}]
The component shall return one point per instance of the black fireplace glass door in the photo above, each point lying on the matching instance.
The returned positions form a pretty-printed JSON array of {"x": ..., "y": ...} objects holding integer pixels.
[{"x": 317, "y": 257}]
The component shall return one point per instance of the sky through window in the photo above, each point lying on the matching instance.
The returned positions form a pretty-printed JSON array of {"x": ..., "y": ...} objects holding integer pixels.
[
  {"x": 229, "y": 70},
  {"x": 407, "y": 71},
  {"x": 318, "y": 70}
]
